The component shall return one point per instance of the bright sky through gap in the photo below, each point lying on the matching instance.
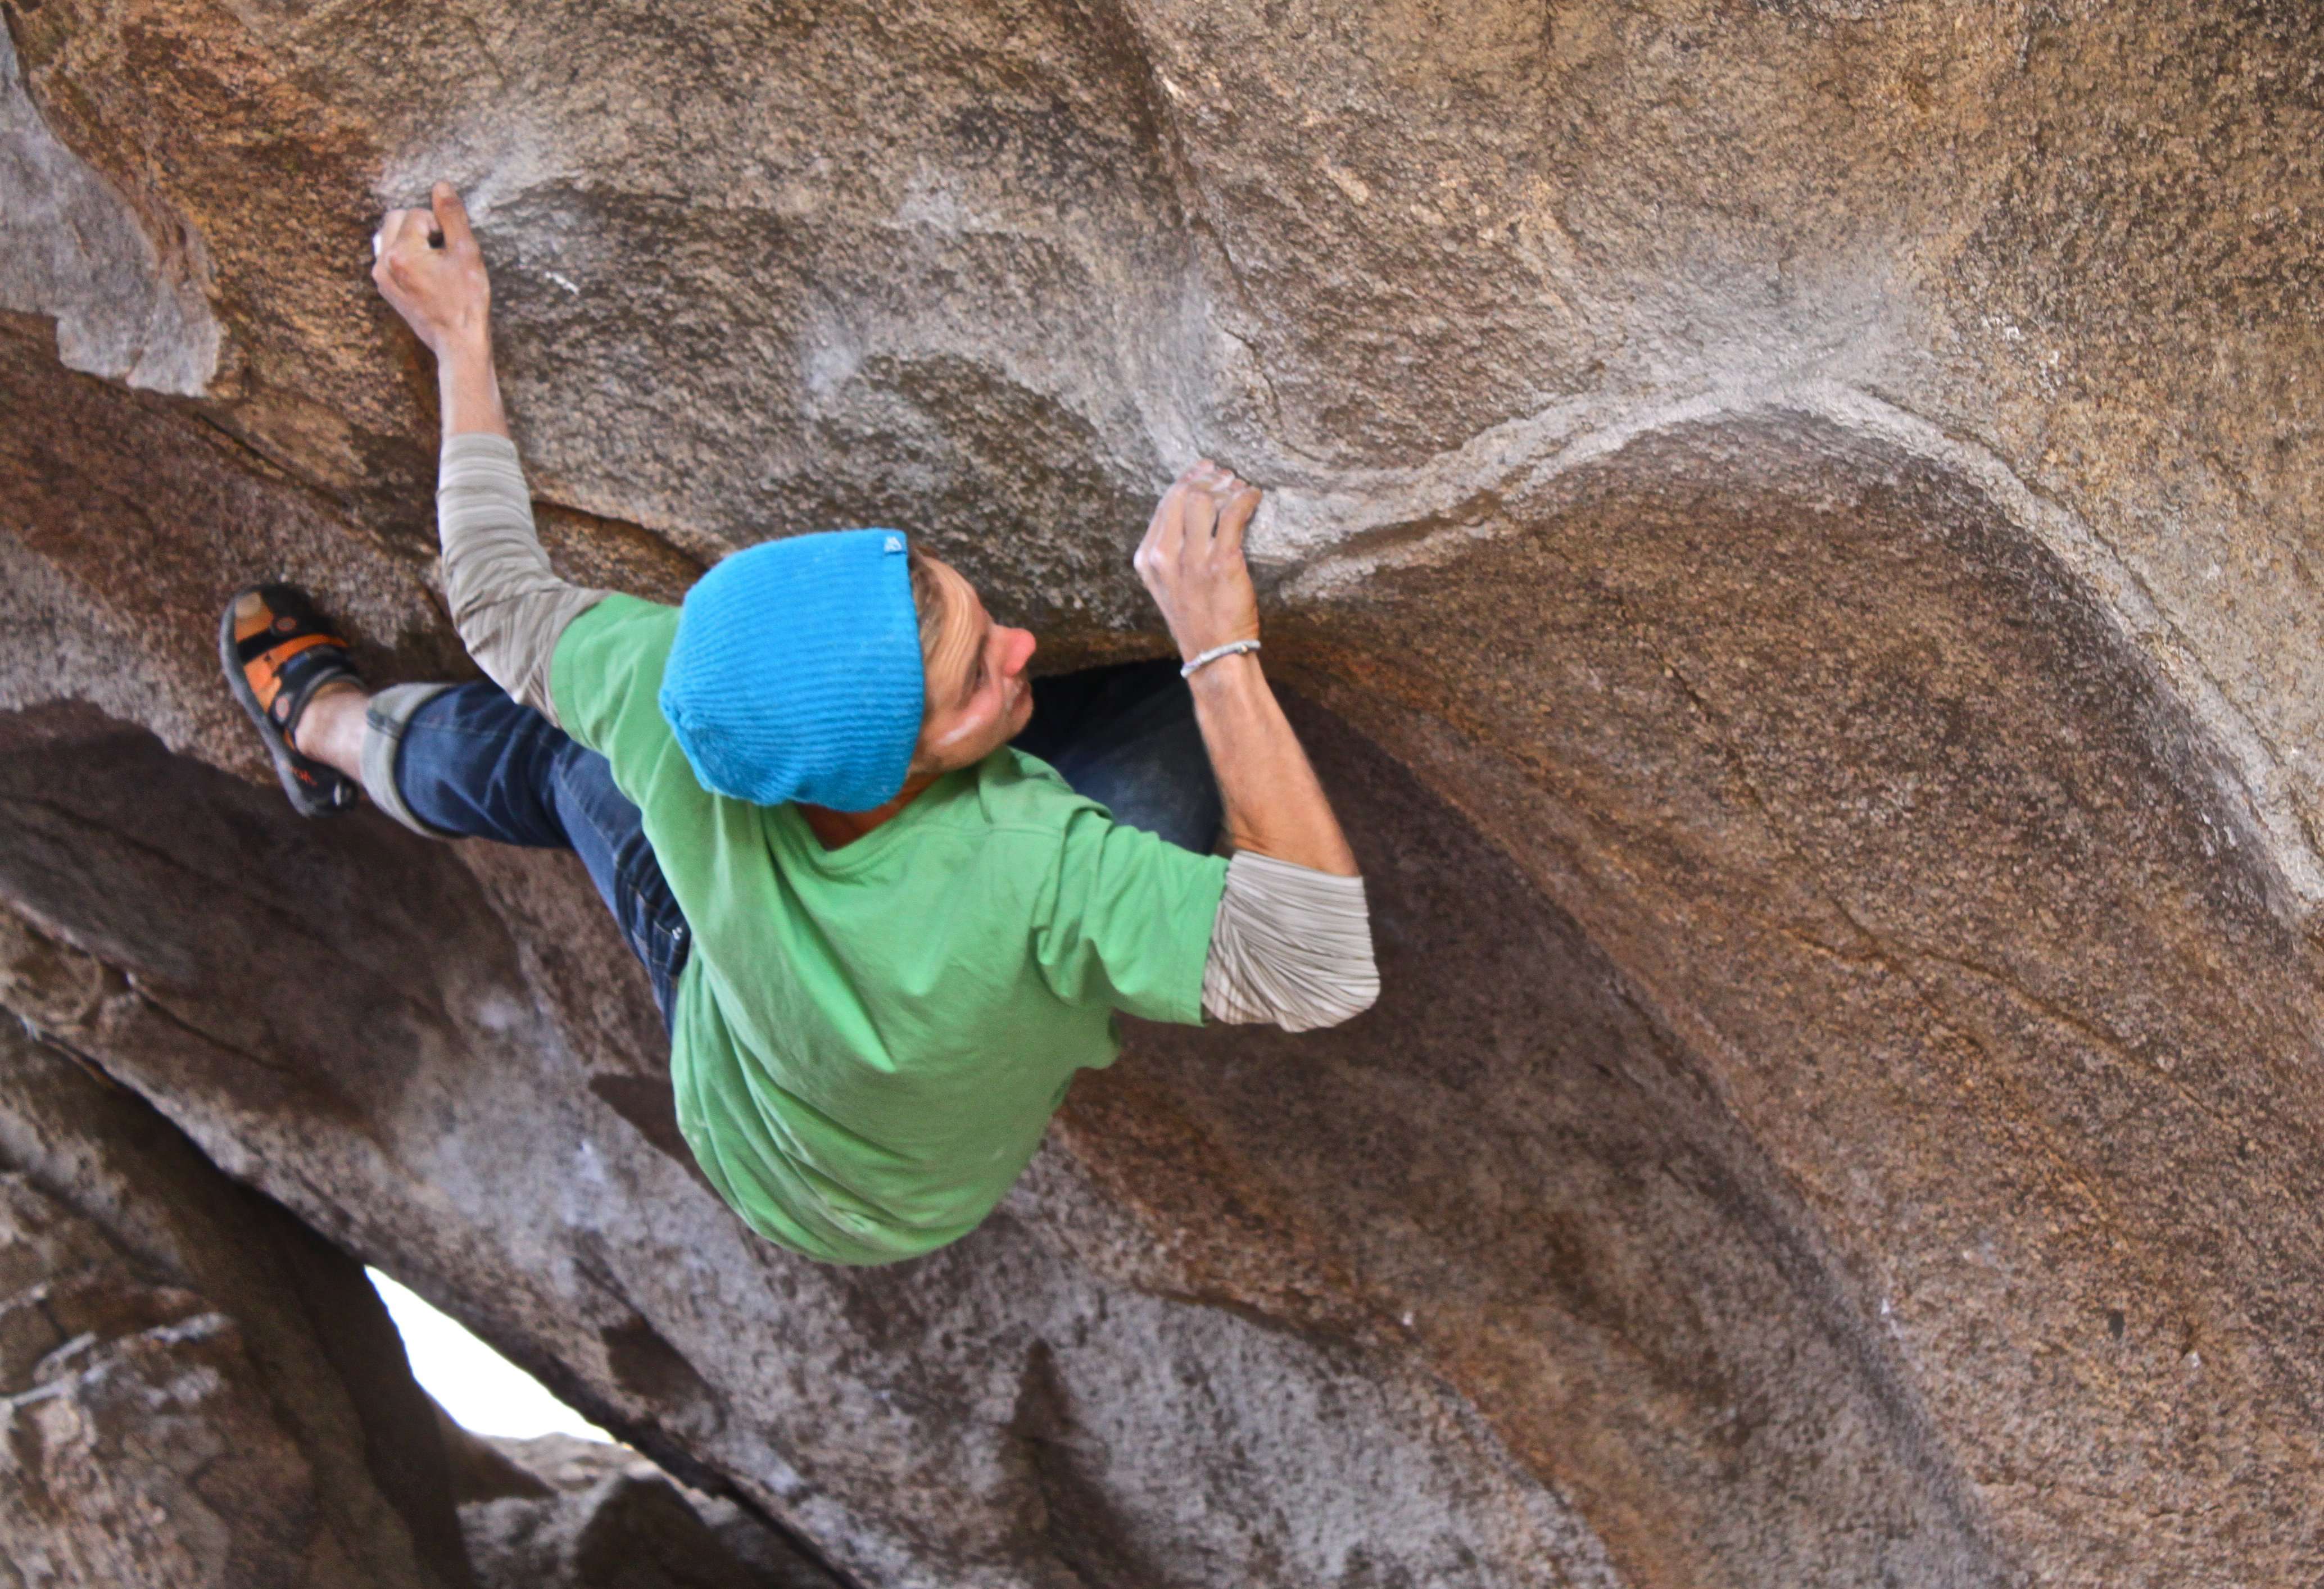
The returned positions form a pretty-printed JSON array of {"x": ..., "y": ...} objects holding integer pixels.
[{"x": 484, "y": 1391}]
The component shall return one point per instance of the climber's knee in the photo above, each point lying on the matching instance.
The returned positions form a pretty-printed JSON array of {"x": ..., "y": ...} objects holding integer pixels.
[{"x": 466, "y": 761}]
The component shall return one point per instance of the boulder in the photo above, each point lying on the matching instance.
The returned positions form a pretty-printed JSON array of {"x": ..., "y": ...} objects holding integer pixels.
[
  {"x": 1792, "y": 524},
  {"x": 195, "y": 1392},
  {"x": 559, "y": 1513}
]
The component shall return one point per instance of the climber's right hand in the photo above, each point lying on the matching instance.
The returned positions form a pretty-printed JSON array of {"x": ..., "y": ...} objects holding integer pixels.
[
  {"x": 426, "y": 264},
  {"x": 1192, "y": 559}
]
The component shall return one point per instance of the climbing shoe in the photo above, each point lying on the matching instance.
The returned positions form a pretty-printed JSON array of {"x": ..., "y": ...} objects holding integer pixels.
[{"x": 277, "y": 651}]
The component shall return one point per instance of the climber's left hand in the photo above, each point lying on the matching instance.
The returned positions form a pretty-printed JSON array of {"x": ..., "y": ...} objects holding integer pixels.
[
  {"x": 426, "y": 264},
  {"x": 1192, "y": 559}
]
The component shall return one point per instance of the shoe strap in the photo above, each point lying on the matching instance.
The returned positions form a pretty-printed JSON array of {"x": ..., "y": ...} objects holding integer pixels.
[{"x": 306, "y": 665}]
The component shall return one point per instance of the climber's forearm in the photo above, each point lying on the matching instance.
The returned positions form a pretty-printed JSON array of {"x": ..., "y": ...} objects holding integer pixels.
[
  {"x": 1293, "y": 941},
  {"x": 1274, "y": 803},
  {"x": 507, "y": 601},
  {"x": 468, "y": 388}
]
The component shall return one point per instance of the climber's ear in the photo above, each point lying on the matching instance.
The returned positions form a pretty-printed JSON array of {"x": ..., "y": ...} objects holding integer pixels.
[{"x": 451, "y": 218}]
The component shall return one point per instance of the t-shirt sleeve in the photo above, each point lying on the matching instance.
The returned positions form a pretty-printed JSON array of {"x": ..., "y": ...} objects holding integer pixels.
[
  {"x": 605, "y": 680},
  {"x": 1127, "y": 920}
]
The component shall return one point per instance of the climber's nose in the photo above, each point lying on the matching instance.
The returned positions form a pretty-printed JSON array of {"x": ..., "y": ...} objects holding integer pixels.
[{"x": 1018, "y": 645}]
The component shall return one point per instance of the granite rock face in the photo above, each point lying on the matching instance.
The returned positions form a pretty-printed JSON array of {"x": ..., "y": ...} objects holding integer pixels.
[
  {"x": 1794, "y": 522},
  {"x": 564, "y": 1514},
  {"x": 195, "y": 1391}
]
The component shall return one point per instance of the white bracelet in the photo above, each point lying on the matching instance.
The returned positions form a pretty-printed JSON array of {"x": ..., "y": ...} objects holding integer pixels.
[{"x": 1215, "y": 653}]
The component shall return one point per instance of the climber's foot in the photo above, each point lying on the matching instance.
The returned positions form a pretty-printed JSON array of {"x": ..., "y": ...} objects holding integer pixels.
[{"x": 279, "y": 652}]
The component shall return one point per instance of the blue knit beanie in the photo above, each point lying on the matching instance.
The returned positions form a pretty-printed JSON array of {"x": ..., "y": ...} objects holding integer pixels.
[{"x": 796, "y": 673}]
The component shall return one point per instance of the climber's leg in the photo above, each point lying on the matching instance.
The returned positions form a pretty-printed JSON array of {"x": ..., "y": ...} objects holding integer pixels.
[
  {"x": 608, "y": 832},
  {"x": 445, "y": 761},
  {"x": 466, "y": 761},
  {"x": 331, "y": 729},
  {"x": 1126, "y": 736}
]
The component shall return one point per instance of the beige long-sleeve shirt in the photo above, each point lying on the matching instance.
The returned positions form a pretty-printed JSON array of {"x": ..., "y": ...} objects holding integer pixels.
[{"x": 1291, "y": 945}]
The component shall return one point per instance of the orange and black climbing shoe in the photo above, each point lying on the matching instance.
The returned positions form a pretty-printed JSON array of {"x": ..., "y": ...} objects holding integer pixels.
[{"x": 277, "y": 651}]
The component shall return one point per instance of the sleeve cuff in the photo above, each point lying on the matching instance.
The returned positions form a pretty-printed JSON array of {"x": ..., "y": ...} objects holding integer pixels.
[
  {"x": 1292, "y": 946},
  {"x": 475, "y": 445}
]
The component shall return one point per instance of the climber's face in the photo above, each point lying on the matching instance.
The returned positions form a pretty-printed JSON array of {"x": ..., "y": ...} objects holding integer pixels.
[{"x": 978, "y": 697}]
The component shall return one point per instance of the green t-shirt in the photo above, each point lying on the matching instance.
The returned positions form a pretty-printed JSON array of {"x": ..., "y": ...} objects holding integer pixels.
[{"x": 870, "y": 1041}]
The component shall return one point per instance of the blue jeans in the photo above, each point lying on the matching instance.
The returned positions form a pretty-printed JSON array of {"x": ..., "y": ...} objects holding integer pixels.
[{"x": 473, "y": 763}]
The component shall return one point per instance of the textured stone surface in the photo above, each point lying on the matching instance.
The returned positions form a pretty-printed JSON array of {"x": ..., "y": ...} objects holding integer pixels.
[
  {"x": 195, "y": 1393},
  {"x": 1800, "y": 520},
  {"x": 557, "y": 1512},
  {"x": 75, "y": 254}
]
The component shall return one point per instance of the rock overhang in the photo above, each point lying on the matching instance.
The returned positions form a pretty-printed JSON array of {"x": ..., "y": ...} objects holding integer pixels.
[{"x": 1821, "y": 489}]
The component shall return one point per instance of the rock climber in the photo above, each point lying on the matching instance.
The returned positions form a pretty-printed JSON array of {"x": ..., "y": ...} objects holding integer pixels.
[{"x": 889, "y": 890}]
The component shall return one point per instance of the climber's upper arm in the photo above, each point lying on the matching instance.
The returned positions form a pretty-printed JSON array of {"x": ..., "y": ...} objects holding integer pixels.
[
  {"x": 509, "y": 605},
  {"x": 1292, "y": 946},
  {"x": 1125, "y": 919},
  {"x": 606, "y": 676}
]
